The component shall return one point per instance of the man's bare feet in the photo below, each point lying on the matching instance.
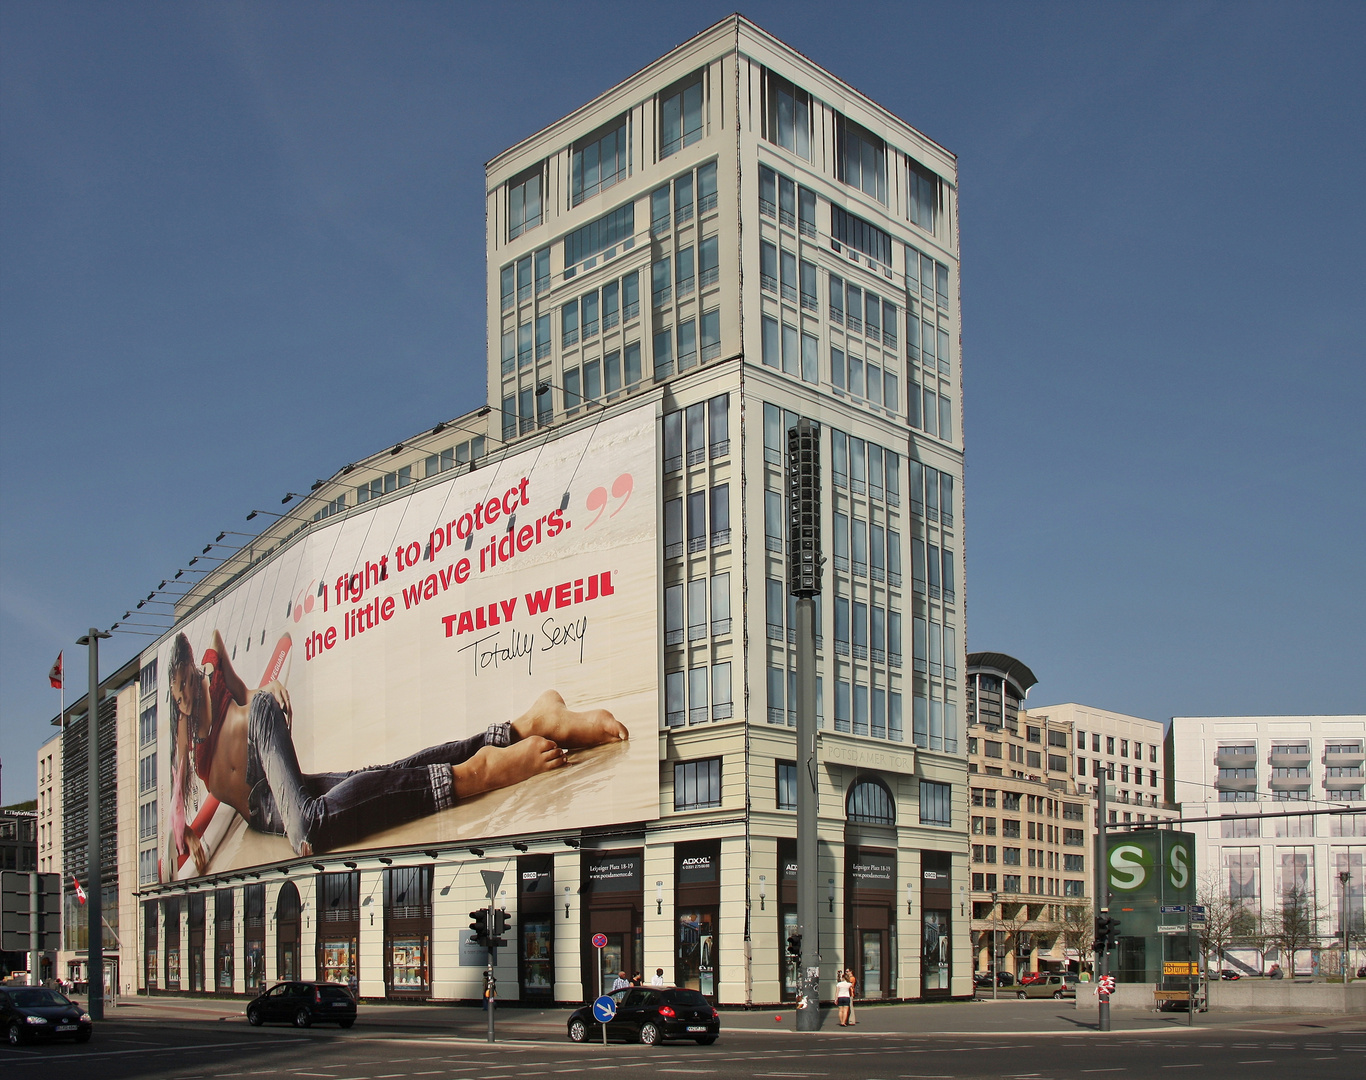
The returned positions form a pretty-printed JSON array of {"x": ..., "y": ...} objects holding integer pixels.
[
  {"x": 549, "y": 718},
  {"x": 494, "y": 767}
]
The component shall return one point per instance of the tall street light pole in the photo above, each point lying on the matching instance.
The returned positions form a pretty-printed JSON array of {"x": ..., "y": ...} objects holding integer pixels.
[
  {"x": 94, "y": 965},
  {"x": 804, "y": 582}
]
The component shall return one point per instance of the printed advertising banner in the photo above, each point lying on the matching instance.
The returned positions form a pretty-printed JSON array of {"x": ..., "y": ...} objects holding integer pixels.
[{"x": 474, "y": 659}]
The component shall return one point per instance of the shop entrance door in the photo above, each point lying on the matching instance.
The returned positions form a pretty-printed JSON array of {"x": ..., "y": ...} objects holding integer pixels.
[
  {"x": 872, "y": 974},
  {"x": 934, "y": 961}
]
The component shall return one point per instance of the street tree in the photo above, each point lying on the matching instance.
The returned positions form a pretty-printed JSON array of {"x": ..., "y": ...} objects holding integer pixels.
[
  {"x": 1227, "y": 921},
  {"x": 1077, "y": 928},
  {"x": 1295, "y": 925}
]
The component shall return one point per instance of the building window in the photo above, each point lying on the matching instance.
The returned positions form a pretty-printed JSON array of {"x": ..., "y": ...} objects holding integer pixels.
[
  {"x": 708, "y": 262},
  {"x": 787, "y": 115},
  {"x": 861, "y": 159},
  {"x": 613, "y": 228},
  {"x": 870, "y": 802},
  {"x": 697, "y": 784},
  {"x": 680, "y": 118},
  {"x": 721, "y": 701},
  {"x": 599, "y": 161},
  {"x": 936, "y": 805},
  {"x": 675, "y": 712},
  {"x": 859, "y": 235},
  {"x": 524, "y": 202},
  {"x": 787, "y": 785},
  {"x": 924, "y": 195}
]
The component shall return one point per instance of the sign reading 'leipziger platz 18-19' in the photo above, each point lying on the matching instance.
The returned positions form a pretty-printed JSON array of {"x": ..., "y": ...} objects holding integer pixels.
[{"x": 471, "y": 658}]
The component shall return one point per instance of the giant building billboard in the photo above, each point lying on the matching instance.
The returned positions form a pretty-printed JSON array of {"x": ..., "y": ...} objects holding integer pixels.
[{"x": 475, "y": 658}]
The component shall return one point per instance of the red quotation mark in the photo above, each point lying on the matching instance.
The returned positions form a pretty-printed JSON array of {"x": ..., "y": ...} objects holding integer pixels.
[
  {"x": 300, "y": 606},
  {"x": 622, "y": 487}
]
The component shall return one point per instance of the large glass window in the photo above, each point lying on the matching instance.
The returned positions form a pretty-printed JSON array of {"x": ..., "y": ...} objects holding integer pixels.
[
  {"x": 861, "y": 159},
  {"x": 680, "y": 118},
  {"x": 524, "y": 203},
  {"x": 924, "y": 195},
  {"x": 697, "y": 784},
  {"x": 787, "y": 118},
  {"x": 599, "y": 161}
]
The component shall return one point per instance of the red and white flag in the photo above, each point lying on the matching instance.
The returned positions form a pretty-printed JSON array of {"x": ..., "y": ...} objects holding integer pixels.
[
  {"x": 80, "y": 893},
  {"x": 55, "y": 675}
]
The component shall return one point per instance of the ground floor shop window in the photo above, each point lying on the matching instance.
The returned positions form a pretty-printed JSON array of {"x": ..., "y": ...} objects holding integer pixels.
[
  {"x": 408, "y": 960},
  {"x": 537, "y": 942},
  {"x": 937, "y": 946},
  {"x": 151, "y": 967},
  {"x": 339, "y": 958},
  {"x": 224, "y": 966},
  {"x": 256, "y": 964},
  {"x": 173, "y": 967},
  {"x": 696, "y": 968}
]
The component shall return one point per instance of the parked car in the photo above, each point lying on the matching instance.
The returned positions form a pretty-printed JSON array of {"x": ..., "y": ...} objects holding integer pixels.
[
  {"x": 1032, "y": 977},
  {"x": 304, "y": 1004},
  {"x": 982, "y": 980},
  {"x": 33, "y": 1012},
  {"x": 650, "y": 1015},
  {"x": 1230, "y": 974},
  {"x": 1050, "y": 986}
]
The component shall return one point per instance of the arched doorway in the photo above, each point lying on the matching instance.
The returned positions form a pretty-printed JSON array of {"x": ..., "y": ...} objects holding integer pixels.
[{"x": 287, "y": 932}]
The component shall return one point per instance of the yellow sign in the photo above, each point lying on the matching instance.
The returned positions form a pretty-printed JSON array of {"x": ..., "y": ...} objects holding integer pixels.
[{"x": 1180, "y": 967}]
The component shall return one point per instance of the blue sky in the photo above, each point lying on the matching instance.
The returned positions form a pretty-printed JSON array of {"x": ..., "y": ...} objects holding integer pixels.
[{"x": 241, "y": 244}]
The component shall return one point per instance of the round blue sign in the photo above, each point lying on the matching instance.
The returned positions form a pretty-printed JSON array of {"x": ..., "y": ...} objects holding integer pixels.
[{"x": 604, "y": 1009}]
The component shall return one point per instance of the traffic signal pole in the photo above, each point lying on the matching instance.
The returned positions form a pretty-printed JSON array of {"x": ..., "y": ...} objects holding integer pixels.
[{"x": 1103, "y": 901}]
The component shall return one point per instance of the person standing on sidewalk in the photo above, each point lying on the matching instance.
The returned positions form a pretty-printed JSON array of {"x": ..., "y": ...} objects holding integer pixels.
[
  {"x": 843, "y": 995},
  {"x": 853, "y": 990}
]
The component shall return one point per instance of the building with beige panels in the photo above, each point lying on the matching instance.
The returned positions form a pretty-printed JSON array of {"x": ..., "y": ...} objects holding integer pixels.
[
  {"x": 728, "y": 240},
  {"x": 1030, "y": 832}
]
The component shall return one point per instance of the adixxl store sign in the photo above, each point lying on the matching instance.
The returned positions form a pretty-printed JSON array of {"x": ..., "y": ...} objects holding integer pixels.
[{"x": 1147, "y": 871}]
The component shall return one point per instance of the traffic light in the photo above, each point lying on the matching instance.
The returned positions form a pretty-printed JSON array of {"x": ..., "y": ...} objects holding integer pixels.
[
  {"x": 1107, "y": 933},
  {"x": 794, "y": 948},
  {"x": 499, "y": 923},
  {"x": 479, "y": 927}
]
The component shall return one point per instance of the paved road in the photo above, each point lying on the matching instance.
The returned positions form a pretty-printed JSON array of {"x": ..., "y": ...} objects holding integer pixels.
[{"x": 162, "y": 1048}]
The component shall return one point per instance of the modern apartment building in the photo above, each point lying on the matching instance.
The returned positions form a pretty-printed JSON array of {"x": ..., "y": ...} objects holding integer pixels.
[
  {"x": 729, "y": 240},
  {"x": 1029, "y": 827},
  {"x": 50, "y": 805},
  {"x": 1253, "y": 773},
  {"x": 1127, "y": 750}
]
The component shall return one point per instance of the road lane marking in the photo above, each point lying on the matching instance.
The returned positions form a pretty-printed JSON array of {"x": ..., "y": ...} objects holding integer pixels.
[{"x": 1258, "y": 1061}]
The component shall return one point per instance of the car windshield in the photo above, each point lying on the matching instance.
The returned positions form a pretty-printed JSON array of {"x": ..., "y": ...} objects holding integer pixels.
[
  {"x": 684, "y": 997},
  {"x": 37, "y": 998},
  {"x": 334, "y": 993}
]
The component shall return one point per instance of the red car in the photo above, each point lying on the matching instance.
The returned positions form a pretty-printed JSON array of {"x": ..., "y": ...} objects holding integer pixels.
[{"x": 1032, "y": 977}]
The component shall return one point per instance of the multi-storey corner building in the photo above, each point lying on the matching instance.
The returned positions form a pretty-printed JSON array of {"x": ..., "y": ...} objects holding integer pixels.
[
  {"x": 1251, "y": 773},
  {"x": 1127, "y": 751},
  {"x": 730, "y": 239},
  {"x": 1029, "y": 827}
]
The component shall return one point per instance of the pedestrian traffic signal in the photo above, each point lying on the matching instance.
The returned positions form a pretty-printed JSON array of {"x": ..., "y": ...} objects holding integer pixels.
[
  {"x": 498, "y": 926},
  {"x": 794, "y": 948},
  {"x": 479, "y": 927}
]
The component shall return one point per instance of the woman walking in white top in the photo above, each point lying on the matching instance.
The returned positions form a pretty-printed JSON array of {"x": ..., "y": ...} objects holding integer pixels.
[{"x": 843, "y": 992}]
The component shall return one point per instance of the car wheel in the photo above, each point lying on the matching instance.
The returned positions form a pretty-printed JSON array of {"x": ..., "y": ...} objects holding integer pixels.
[
  {"x": 254, "y": 1017},
  {"x": 16, "y": 1034},
  {"x": 706, "y": 1040},
  {"x": 83, "y": 1037},
  {"x": 578, "y": 1031},
  {"x": 1057, "y": 996},
  {"x": 347, "y": 1023},
  {"x": 1020, "y": 994},
  {"x": 302, "y": 1018},
  {"x": 649, "y": 1034}
]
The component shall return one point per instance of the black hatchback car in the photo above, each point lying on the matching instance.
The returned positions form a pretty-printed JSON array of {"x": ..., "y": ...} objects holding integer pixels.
[
  {"x": 651, "y": 1015},
  {"x": 303, "y": 1004},
  {"x": 32, "y": 1012}
]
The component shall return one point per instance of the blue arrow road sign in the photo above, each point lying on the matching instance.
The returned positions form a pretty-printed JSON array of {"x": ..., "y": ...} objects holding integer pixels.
[
  {"x": 604, "y": 1009},
  {"x": 1173, "y": 909}
]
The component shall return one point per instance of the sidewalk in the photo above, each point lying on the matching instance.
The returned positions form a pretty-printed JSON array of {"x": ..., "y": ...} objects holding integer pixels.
[{"x": 971, "y": 1018}]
